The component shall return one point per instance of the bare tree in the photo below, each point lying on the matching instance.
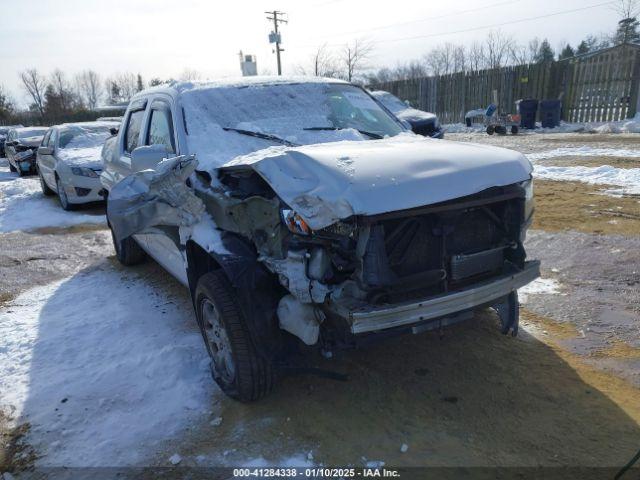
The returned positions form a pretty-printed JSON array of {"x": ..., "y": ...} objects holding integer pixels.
[
  {"x": 190, "y": 75},
  {"x": 35, "y": 84},
  {"x": 459, "y": 59},
  {"x": 354, "y": 57},
  {"x": 88, "y": 84},
  {"x": 627, "y": 8},
  {"x": 476, "y": 58},
  {"x": 61, "y": 88},
  {"x": 440, "y": 59},
  {"x": 121, "y": 87},
  {"x": 324, "y": 62},
  {"x": 498, "y": 47}
]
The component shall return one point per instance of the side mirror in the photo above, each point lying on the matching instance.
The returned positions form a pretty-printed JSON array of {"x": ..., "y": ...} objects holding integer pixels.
[
  {"x": 45, "y": 151},
  {"x": 148, "y": 157},
  {"x": 407, "y": 103},
  {"x": 114, "y": 130}
]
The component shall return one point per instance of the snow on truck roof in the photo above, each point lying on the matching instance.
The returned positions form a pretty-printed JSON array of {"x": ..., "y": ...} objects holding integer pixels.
[{"x": 236, "y": 82}]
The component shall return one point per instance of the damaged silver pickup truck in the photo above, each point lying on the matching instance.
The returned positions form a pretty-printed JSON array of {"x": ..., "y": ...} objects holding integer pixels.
[{"x": 302, "y": 211}]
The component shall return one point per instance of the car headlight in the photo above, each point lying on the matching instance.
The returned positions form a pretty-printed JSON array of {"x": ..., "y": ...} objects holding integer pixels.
[
  {"x": 295, "y": 223},
  {"x": 84, "y": 172},
  {"x": 528, "y": 199}
]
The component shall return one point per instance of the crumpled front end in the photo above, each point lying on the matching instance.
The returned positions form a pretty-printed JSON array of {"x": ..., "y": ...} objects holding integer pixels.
[{"x": 371, "y": 273}]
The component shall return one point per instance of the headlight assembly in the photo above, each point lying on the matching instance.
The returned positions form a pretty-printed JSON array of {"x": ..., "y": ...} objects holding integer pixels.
[
  {"x": 295, "y": 223},
  {"x": 84, "y": 172}
]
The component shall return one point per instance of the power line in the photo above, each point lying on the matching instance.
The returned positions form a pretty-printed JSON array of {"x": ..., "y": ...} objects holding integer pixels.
[
  {"x": 483, "y": 27},
  {"x": 497, "y": 24},
  {"x": 426, "y": 19}
]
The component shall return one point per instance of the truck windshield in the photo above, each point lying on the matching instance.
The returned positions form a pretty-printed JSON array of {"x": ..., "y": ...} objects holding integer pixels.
[{"x": 293, "y": 111}]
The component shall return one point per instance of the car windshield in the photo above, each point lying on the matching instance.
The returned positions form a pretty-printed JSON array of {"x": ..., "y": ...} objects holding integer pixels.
[
  {"x": 392, "y": 102},
  {"x": 83, "y": 136},
  {"x": 32, "y": 132}
]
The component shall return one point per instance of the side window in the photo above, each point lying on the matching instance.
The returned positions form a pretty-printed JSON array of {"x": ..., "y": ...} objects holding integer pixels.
[
  {"x": 161, "y": 129},
  {"x": 133, "y": 130},
  {"x": 53, "y": 139},
  {"x": 45, "y": 140}
]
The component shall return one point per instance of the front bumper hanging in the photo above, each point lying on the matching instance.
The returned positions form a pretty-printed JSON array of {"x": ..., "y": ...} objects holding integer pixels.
[{"x": 498, "y": 292}]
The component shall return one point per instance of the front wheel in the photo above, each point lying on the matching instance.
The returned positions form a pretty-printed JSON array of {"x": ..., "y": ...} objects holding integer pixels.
[
  {"x": 12, "y": 169},
  {"x": 236, "y": 366},
  {"x": 43, "y": 185},
  {"x": 490, "y": 129},
  {"x": 62, "y": 196}
]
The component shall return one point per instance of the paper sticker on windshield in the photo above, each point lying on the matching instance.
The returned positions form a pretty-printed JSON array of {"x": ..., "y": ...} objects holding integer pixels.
[{"x": 360, "y": 100}]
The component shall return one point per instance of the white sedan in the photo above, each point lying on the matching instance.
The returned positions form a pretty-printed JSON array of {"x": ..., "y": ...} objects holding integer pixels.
[{"x": 69, "y": 162}]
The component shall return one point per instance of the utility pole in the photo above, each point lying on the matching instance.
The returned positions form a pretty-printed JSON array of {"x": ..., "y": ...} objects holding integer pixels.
[{"x": 274, "y": 37}]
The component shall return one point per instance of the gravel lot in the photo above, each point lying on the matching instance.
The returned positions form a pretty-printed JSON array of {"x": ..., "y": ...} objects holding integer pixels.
[{"x": 565, "y": 392}]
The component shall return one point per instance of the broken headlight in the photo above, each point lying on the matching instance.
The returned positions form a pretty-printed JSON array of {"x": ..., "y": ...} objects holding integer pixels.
[
  {"x": 295, "y": 223},
  {"x": 84, "y": 172},
  {"x": 528, "y": 199}
]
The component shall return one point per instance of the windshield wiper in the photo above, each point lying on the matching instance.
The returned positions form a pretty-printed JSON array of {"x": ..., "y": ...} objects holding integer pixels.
[
  {"x": 264, "y": 136},
  {"x": 377, "y": 136}
]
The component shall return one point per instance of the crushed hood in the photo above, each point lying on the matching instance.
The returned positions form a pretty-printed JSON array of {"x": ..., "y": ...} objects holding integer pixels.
[{"x": 328, "y": 182}]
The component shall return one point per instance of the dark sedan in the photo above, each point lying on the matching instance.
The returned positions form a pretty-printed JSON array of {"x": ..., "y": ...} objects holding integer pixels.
[
  {"x": 20, "y": 148},
  {"x": 4, "y": 130},
  {"x": 422, "y": 123}
]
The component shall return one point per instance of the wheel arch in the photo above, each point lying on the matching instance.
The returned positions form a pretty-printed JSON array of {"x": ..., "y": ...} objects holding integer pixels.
[{"x": 256, "y": 287}]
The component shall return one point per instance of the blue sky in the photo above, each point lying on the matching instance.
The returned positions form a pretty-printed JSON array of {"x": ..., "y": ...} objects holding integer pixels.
[{"x": 163, "y": 37}]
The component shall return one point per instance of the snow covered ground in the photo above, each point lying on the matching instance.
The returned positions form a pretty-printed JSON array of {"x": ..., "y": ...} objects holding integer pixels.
[
  {"x": 540, "y": 286},
  {"x": 627, "y": 178},
  {"x": 631, "y": 125},
  {"x": 102, "y": 382},
  {"x": 24, "y": 207}
]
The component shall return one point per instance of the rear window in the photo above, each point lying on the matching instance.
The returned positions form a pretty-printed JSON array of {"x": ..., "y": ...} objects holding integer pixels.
[{"x": 133, "y": 130}]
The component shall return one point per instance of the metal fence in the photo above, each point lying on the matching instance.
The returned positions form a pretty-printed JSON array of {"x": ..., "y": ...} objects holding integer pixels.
[{"x": 597, "y": 87}]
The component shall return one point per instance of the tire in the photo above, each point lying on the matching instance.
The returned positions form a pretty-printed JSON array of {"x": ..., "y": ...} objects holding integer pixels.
[
  {"x": 490, "y": 130},
  {"x": 236, "y": 366},
  {"x": 62, "y": 197},
  {"x": 514, "y": 129},
  {"x": 128, "y": 252},
  {"x": 43, "y": 185},
  {"x": 12, "y": 169}
]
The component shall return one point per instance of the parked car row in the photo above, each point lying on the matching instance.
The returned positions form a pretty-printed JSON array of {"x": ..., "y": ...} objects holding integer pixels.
[{"x": 301, "y": 213}]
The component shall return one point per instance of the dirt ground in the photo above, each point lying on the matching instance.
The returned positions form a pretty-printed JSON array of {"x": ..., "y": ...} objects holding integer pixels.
[{"x": 565, "y": 392}]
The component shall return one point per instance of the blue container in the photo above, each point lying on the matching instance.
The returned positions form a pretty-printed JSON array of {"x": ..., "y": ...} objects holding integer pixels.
[
  {"x": 527, "y": 109},
  {"x": 550, "y": 111}
]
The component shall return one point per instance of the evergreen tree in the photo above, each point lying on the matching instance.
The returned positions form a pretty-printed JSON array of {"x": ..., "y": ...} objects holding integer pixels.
[
  {"x": 582, "y": 48},
  {"x": 627, "y": 31},
  {"x": 545, "y": 53},
  {"x": 139, "y": 84},
  {"x": 567, "y": 52}
]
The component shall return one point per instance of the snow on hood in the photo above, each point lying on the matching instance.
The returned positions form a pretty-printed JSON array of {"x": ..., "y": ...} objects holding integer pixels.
[
  {"x": 331, "y": 181},
  {"x": 84, "y": 156}
]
